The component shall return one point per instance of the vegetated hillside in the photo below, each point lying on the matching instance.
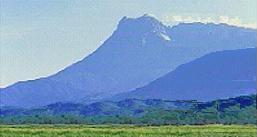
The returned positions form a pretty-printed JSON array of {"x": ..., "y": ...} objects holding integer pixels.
[
  {"x": 128, "y": 107},
  {"x": 139, "y": 51},
  {"x": 239, "y": 110},
  {"x": 216, "y": 75}
]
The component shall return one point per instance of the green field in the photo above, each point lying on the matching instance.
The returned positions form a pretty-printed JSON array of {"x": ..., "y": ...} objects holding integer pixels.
[{"x": 126, "y": 131}]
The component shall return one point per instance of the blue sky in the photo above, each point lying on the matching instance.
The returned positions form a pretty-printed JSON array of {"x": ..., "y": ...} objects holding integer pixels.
[{"x": 41, "y": 37}]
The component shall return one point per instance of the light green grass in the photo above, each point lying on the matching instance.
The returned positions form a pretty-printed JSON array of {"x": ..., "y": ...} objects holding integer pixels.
[{"x": 126, "y": 131}]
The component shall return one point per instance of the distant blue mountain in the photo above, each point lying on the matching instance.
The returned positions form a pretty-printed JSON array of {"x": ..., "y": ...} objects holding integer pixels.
[
  {"x": 217, "y": 75},
  {"x": 138, "y": 52}
]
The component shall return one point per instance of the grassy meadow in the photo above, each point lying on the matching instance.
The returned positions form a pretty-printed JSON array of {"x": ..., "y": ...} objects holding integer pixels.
[{"x": 127, "y": 131}]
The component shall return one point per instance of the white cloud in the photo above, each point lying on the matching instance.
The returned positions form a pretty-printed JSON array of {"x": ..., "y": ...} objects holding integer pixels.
[
  {"x": 186, "y": 19},
  {"x": 234, "y": 21}
]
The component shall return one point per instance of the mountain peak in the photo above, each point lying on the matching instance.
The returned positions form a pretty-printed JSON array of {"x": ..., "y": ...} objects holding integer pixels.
[
  {"x": 144, "y": 23},
  {"x": 145, "y": 17},
  {"x": 138, "y": 31}
]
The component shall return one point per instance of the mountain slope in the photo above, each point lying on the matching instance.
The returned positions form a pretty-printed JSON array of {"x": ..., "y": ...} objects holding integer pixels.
[
  {"x": 213, "y": 76},
  {"x": 139, "y": 51}
]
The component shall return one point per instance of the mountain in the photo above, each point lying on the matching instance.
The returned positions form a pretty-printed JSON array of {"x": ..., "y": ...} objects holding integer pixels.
[
  {"x": 139, "y": 51},
  {"x": 238, "y": 110},
  {"x": 216, "y": 75}
]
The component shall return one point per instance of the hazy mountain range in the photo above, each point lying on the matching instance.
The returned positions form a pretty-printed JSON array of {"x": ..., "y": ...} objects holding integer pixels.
[{"x": 142, "y": 50}]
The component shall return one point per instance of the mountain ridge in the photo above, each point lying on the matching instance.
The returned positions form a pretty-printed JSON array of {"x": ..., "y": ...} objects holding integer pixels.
[{"x": 213, "y": 76}]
